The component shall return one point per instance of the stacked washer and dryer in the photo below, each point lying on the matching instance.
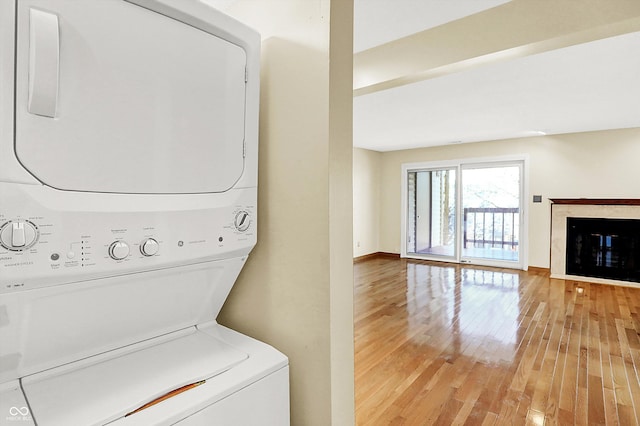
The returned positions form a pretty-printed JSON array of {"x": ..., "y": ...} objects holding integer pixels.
[{"x": 128, "y": 189}]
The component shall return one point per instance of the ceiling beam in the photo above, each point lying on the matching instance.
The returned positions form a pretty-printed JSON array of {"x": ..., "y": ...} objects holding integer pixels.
[{"x": 515, "y": 29}]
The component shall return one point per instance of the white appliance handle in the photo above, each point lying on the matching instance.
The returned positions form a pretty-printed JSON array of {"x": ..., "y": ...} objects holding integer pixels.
[{"x": 44, "y": 56}]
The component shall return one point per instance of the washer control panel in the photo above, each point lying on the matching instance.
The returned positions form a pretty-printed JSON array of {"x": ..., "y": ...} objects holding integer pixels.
[{"x": 41, "y": 247}]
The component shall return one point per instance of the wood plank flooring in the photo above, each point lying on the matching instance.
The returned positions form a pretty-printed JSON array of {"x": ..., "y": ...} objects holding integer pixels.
[{"x": 440, "y": 344}]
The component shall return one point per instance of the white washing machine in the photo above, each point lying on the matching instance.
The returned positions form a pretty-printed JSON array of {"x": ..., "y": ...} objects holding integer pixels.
[{"x": 128, "y": 190}]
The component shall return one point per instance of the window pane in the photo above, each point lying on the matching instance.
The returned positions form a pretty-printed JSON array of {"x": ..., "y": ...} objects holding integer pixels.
[
  {"x": 431, "y": 224},
  {"x": 491, "y": 213}
]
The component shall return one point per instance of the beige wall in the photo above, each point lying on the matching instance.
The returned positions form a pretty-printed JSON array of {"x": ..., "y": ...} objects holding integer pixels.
[
  {"x": 366, "y": 201},
  {"x": 296, "y": 291},
  {"x": 595, "y": 164}
]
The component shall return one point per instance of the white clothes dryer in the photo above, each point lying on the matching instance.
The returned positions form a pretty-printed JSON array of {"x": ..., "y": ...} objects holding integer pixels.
[{"x": 128, "y": 197}]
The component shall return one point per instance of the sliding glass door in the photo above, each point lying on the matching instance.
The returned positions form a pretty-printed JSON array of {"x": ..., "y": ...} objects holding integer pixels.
[
  {"x": 491, "y": 197},
  {"x": 467, "y": 212},
  {"x": 432, "y": 218}
]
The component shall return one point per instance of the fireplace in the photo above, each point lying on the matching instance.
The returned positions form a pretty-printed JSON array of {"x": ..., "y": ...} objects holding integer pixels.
[
  {"x": 596, "y": 240},
  {"x": 603, "y": 248}
]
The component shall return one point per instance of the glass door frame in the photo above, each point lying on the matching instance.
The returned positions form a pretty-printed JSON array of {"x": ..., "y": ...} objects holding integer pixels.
[
  {"x": 432, "y": 167},
  {"x": 458, "y": 165}
]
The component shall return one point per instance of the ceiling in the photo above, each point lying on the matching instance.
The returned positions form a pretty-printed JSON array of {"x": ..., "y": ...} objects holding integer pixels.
[
  {"x": 380, "y": 21},
  {"x": 436, "y": 72}
]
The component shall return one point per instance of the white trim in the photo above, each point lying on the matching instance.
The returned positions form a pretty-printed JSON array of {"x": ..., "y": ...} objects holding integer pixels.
[
  {"x": 426, "y": 165},
  {"x": 403, "y": 211}
]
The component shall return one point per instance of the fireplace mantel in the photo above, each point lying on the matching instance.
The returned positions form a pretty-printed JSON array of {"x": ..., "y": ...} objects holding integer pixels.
[
  {"x": 597, "y": 201},
  {"x": 562, "y": 208}
]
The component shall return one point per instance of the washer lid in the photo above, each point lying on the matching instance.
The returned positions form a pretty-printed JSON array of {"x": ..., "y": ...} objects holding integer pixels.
[
  {"x": 113, "y": 97},
  {"x": 108, "y": 390}
]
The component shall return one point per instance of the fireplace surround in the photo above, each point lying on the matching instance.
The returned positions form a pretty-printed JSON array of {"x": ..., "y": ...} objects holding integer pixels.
[{"x": 605, "y": 252}]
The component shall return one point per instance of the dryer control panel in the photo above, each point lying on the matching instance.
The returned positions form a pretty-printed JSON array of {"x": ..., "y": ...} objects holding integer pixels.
[{"x": 59, "y": 238}]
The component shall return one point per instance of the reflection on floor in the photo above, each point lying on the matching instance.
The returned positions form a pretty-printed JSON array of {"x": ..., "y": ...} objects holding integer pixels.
[
  {"x": 495, "y": 253},
  {"x": 449, "y": 344}
]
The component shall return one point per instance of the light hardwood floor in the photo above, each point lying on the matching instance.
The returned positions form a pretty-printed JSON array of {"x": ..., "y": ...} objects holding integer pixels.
[{"x": 440, "y": 344}]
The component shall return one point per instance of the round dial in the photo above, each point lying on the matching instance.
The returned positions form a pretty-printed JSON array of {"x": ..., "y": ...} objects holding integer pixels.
[
  {"x": 242, "y": 221},
  {"x": 118, "y": 250},
  {"x": 18, "y": 235},
  {"x": 149, "y": 247}
]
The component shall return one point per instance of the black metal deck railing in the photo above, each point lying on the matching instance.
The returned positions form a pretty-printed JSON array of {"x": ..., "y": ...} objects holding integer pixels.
[{"x": 491, "y": 226}]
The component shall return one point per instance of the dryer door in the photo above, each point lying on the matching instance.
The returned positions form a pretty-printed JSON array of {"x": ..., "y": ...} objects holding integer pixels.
[{"x": 113, "y": 97}]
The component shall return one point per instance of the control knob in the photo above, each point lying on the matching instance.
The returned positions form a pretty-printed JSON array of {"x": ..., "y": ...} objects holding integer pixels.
[
  {"x": 242, "y": 221},
  {"x": 118, "y": 250},
  {"x": 149, "y": 247},
  {"x": 18, "y": 235}
]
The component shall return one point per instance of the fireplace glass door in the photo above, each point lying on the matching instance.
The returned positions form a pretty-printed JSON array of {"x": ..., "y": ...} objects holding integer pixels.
[{"x": 604, "y": 248}]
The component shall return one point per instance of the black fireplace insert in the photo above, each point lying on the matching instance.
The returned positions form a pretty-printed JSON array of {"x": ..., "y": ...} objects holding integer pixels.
[{"x": 604, "y": 248}]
